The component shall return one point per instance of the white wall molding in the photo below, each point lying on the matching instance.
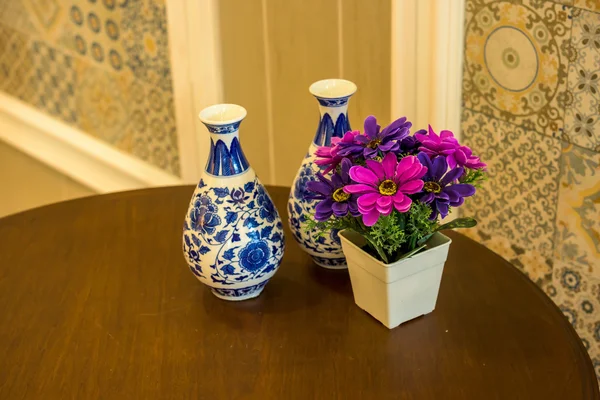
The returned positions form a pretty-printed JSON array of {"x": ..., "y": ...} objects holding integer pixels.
[
  {"x": 197, "y": 80},
  {"x": 74, "y": 153},
  {"x": 427, "y": 54}
]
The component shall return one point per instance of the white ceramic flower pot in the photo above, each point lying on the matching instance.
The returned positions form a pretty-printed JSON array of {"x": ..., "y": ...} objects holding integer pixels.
[{"x": 398, "y": 292}]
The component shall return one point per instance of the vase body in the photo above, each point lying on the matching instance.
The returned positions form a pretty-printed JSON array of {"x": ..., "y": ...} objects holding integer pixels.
[
  {"x": 326, "y": 250},
  {"x": 397, "y": 292},
  {"x": 233, "y": 237}
]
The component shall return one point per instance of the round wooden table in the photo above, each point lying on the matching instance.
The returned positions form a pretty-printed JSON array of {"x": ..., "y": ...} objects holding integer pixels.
[{"x": 96, "y": 302}]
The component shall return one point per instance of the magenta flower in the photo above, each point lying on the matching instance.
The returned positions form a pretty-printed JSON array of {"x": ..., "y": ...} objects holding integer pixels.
[
  {"x": 385, "y": 185},
  {"x": 328, "y": 156},
  {"x": 463, "y": 157},
  {"x": 434, "y": 145}
]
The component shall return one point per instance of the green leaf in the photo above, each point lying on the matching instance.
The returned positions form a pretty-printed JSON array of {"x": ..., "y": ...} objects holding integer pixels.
[
  {"x": 458, "y": 223},
  {"x": 424, "y": 239}
]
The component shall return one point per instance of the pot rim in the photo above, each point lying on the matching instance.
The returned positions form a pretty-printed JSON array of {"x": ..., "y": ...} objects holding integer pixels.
[{"x": 344, "y": 235}]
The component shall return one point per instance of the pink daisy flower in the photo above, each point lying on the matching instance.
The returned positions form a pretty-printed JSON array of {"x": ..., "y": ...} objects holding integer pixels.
[{"x": 385, "y": 185}]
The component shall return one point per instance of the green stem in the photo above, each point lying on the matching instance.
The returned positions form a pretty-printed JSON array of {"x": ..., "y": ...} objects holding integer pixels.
[{"x": 364, "y": 233}]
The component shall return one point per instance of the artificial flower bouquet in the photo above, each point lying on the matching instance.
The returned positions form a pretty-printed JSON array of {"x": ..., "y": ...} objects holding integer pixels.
[{"x": 393, "y": 188}]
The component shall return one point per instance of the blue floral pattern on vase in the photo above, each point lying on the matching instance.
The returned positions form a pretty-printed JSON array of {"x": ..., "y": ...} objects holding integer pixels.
[
  {"x": 241, "y": 230},
  {"x": 326, "y": 250}
]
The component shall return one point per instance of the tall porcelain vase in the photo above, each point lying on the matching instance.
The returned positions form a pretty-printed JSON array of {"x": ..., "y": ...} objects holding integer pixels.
[
  {"x": 333, "y": 96},
  {"x": 232, "y": 237}
]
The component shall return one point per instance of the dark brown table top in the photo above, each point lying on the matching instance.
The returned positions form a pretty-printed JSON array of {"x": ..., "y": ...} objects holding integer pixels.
[{"x": 96, "y": 302}]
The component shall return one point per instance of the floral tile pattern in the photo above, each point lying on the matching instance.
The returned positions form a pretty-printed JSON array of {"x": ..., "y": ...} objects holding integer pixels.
[
  {"x": 16, "y": 63},
  {"x": 53, "y": 81},
  {"x": 578, "y": 221},
  {"x": 582, "y": 121},
  {"x": 592, "y": 5},
  {"x": 102, "y": 66},
  {"x": 514, "y": 69},
  {"x": 531, "y": 90},
  {"x": 519, "y": 199},
  {"x": 577, "y": 294}
]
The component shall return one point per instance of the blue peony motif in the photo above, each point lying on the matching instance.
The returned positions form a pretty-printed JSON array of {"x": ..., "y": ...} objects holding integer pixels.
[
  {"x": 255, "y": 255},
  {"x": 267, "y": 209},
  {"x": 204, "y": 215},
  {"x": 306, "y": 175},
  {"x": 237, "y": 196}
]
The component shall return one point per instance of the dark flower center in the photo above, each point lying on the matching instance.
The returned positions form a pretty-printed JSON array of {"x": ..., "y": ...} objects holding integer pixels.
[
  {"x": 433, "y": 187},
  {"x": 388, "y": 187},
  {"x": 339, "y": 196},
  {"x": 374, "y": 143}
]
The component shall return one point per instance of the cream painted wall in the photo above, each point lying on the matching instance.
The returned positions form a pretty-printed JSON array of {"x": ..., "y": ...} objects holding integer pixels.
[
  {"x": 272, "y": 50},
  {"x": 28, "y": 183}
]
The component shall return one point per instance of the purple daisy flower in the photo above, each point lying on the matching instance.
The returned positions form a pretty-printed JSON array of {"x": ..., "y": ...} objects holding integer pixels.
[
  {"x": 409, "y": 145},
  {"x": 334, "y": 201},
  {"x": 440, "y": 190},
  {"x": 373, "y": 140}
]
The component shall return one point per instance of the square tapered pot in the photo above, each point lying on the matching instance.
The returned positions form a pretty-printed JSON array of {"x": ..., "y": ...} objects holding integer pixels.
[{"x": 398, "y": 292}]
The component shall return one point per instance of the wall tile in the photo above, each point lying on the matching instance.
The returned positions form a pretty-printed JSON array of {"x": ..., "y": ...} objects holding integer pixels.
[
  {"x": 367, "y": 58},
  {"x": 582, "y": 121},
  {"x": 592, "y": 5},
  {"x": 303, "y": 48},
  {"x": 81, "y": 61},
  {"x": 518, "y": 201},
  {"x": 578, "y": 220},
  {"x": 16, "y": 63},
  {"x": 53, "y": 81},
  {"x": 577, "y": 294},
  {"x": 514, "y": 69}
]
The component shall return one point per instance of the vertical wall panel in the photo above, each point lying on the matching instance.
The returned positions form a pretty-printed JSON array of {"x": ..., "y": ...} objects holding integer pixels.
[
  {"x": 366, "y": 38},
  {"x": 303, "y": 48},
  {"x": 244, "y": 78}
]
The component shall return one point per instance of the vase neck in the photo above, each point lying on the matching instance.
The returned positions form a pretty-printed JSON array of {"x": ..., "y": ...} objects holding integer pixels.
[
  {"x": 226, "y": 157},
  {"x": 333, "y": 121}
]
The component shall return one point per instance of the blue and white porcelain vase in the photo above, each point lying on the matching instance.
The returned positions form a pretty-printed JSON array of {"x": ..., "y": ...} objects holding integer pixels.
[
  {"x": 326, "y": 250},
  {"x": 232, "y": 236}
]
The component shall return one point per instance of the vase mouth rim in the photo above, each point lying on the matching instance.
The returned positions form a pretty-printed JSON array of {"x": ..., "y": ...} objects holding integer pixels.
[
  {"x": 332, "y": 88},
  {"x": 222, "y": 114}
]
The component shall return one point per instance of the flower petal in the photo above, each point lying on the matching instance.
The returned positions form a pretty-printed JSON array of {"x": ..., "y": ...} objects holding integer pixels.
[
  {"x": 426, "y": 162},
  {"x": 439, "y": 167},
  {"x": 363, "y": 175},
  {"x": 389, "y": 164},
  {"x": 371, "y": 127},
  {"x": 460, "y": 156},
  {"x": 463, "y": 189},
  {"x": 442, "y": 209},
  {"x": 401, "y": 202},
  {"x": 319, "y": 187},
  {"x": 377, "y": 168},
  {"x": 359, "y": 188},
  {"x": 411, "y": 187},
  {"x": 409, "y": 168},
  {"x": 367, "y": 201},
  {"x": 370, "y": 218},
  {"x": 427, "y": 198},
  {"x": 451, "y": 161},
  {"x": 346, "y": 165},
  {"x": 340, "y": 209},
  {"x": 452, "y": 175},
  {"x": 324, "y": 206}
]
